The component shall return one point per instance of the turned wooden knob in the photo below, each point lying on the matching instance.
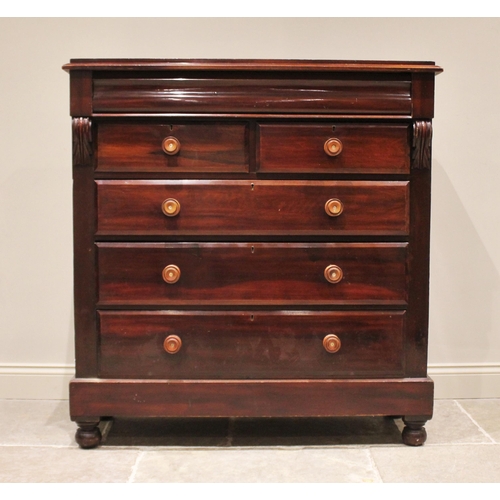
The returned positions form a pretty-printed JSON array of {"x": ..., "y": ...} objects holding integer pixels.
[
  {"x": 171, "y": 274},
  {"x": 334, "y": 207},
  {"x": 170, "y": 207},
  {"x": 333, "y": 146},
  {"x": 333, "y": 274},
  {"x": 172, "y": 344},
  {"x": 171, "y": 145},
  {"x": 331, "y": 343}
]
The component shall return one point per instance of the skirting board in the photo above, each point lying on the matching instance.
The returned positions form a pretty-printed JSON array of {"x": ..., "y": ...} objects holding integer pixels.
[
  {"x": 35, "y": 381},
  {"x": 461, "y": 381},
  {"x": 466, "y": 381}
]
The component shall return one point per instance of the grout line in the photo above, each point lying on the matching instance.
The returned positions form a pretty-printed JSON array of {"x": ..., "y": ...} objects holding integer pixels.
[
  {"x": 131, "y": 479},
  {"x": 374, "y": 466},
  {"x": 475, "y": 423}
]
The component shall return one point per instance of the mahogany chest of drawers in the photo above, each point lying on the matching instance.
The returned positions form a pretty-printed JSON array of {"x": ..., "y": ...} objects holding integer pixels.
[{"x": 251, "y": 239}]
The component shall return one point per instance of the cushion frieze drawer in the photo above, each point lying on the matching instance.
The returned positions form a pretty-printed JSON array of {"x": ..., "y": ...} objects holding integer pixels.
[
  {"x": 334, "y": 148},
  {"x": 387, "y": 95},
  {"x": 254, "y": 344},
  {"x": 191, "y": 207},
  {"x": 172, "y": 148},
  {"x": 252, "y": 274}
]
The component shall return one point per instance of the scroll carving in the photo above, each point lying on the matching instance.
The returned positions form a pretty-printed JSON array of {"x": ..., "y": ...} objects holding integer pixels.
[
  {"x": 422, "y": 137},
  {"x": 82, "y": 141}
]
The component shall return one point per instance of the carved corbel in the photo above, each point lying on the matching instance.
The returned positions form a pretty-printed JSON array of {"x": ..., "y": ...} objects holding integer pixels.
[
  {"x": 82, "y": 141},
  {"x": 422, "y": 138}
]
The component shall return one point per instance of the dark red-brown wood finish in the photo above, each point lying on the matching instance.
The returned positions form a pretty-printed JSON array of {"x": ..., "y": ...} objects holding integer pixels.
[
  {"x": 236, "y": 208},
  {"x": 242, "y": 274},
  {"x": 251, "y": 239},
  {"x": 251, "y": 344}
]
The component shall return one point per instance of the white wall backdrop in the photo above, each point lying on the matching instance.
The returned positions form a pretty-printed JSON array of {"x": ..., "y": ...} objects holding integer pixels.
[{"x": 36, "y": 332}]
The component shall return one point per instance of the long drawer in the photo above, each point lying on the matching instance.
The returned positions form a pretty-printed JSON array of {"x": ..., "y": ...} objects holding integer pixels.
[
  {"x": 250, "y": 345},
  {"x": 195, "y": 207},
  {"x": 341, "y": 148},
  {"x": 269, "y": 274},
  {"x": 266, "y": 92}
]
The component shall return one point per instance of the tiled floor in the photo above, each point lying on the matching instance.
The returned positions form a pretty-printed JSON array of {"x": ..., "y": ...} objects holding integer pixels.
[{"x": 463, "y": 446}]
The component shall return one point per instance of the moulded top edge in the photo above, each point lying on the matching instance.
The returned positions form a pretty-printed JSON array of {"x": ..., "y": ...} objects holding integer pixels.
[{"x": 249, "y": 65}]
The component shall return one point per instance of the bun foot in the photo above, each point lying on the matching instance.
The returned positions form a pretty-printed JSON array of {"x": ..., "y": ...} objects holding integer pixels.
[
  {"x": 88, "y": 435},
  {"x": 414, "y": 433}
]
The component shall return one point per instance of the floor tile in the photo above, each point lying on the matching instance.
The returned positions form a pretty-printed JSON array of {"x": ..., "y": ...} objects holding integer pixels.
[
  {"x": 486, "y": 413},
  {"x": 315, "y": 431},
  {"x": 262, "y": 465},
  {"x": 478, "y": 463},
  {"x": 25, "y": 464},
  {"x": 168, "y": 432},
  {"x": 450, "y": 425},
  {"x": 36, "y": 422},
  {"x": 225, "y": 432}
]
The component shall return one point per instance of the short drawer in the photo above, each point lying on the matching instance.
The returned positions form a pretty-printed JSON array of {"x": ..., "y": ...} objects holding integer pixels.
[
  {"x": 251, "y": 274},
  {"x": 256, "y": 208},
  {"x": 327, "y": 148},
  {"x": 250, "y": 345},
  {"x": 171, "y": 148}
]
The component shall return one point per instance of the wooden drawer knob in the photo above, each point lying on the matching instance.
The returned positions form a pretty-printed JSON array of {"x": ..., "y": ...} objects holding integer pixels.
[
  {"x": 171, "y": 274},
  {"x": 170, "y": 207},
  {"x": 172, "y": 344},
  {"x": 331, "y": 343},
  {"x": 333, "y": 146},
  {"x": 334, "y": 207},
  {"x": 333, "y": 274},
  {"x": 171, "y": 145}
]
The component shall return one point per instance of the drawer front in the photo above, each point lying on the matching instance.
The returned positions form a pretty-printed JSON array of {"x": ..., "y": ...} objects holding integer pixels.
[
  {"x": 251, "y": 274},
  {"x": 376, "y": 149},
  {"x": 200, "y": 147},
  {"x": 267, "y": 93},
  {"x": 252, "y": 208},
  {"x": 250, "y": 345}
]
